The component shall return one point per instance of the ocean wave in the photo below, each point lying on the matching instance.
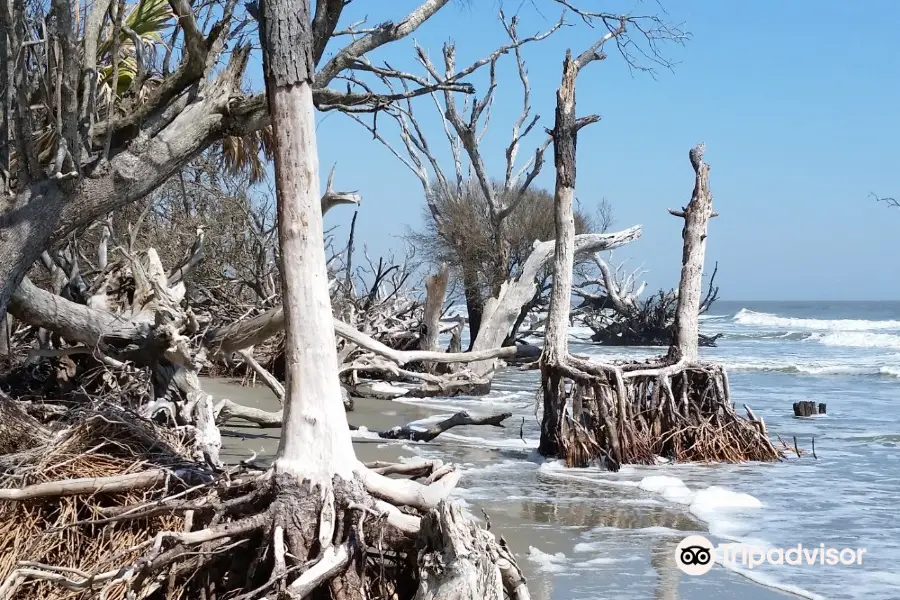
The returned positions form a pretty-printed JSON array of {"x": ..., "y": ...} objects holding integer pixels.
[
  {"x": 760, "y": 319},
  {"x": 768, "y": 335},
  {"x": 713, "y": 317},
  {"x": 815, "y": 369},
  {"x": 859, "y": 339}
]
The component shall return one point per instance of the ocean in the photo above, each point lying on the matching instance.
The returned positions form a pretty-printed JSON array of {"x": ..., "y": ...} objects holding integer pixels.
[{"x": 594, "y": 534}]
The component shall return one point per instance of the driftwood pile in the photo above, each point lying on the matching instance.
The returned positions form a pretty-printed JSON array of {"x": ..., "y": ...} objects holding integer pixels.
[{"x": 107, "y": 504}]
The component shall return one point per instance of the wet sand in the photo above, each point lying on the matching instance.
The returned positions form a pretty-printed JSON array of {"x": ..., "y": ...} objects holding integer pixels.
[{"x": 553, "y": 525}]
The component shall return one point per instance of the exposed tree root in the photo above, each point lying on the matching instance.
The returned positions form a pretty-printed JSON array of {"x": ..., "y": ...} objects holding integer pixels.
[
  {"x": 633, "y": 413},
  {"x": 115, "y": 508}
]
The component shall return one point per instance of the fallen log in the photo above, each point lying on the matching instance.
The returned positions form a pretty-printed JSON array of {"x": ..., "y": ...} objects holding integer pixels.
[
  {"x": 407, "y": 432},
  {"x": 226, "y": 410}
]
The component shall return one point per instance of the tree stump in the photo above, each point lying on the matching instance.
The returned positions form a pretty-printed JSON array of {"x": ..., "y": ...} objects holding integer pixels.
[{"x": 808, "y": 408}]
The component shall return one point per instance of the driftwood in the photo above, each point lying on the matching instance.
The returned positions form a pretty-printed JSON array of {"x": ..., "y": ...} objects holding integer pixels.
[
  {"x": 807, "y": 408},
  {"x": 227, "y": 410},
  {"x": 634, "y": 322},
  {"x": 675, "y": 407},
  {"x": 122, "y": 480},
  {"x": 459, "y": 419}
]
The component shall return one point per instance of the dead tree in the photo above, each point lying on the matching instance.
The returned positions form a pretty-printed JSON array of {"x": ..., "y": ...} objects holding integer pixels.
[
  {"x": 675, "y": 407},
  {"x": 319, "y": 521},
  {"x": 619, "y": 317},
  {"x": 493, "y": 315},
  {"x": 99, "y": 119}
]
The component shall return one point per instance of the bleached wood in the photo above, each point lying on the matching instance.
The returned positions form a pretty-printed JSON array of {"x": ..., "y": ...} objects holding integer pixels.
[
  {"x": 269, "y": 379},
  {"x": 409, "y": 493},
  {"x": 501, "y": 311},
  {"x": 86, "y": 486},
  {"x": 334, "y": 559},
  {"x": 451, "y": 563},
  {"x": 315, "y": 440},
  {"x": 696, "y": 221}
]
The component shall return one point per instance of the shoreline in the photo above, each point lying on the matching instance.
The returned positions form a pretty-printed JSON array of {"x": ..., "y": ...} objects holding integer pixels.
[{"x": 548, "y": 538}]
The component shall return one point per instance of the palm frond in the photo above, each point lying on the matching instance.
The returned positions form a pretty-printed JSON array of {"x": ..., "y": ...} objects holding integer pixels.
[
  {"x": 148, "y": 19},
  {"x": 248, "y": 153}
]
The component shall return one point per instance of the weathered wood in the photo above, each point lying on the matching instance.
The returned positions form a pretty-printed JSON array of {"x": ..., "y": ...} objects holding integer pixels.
[
  {"x": 556, "y": 344},
  {"x": 696, "y": 220},
  {"x": 452, "y": 562},
  {"x": 19, "y": 431},
  {"x": 49, "y": 209},
  {"x": 564, "y": 141},
  {"x": 315, "y": 441},
  {"x": 808, "y": 408},
  {"x": 435, "y": 290},
  {"x": 459, "y": 419},
  {"x": 501, "y": 311}
]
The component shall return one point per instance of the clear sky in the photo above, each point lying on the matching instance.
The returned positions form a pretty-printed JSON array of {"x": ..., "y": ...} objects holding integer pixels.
[{"x": 797, "y": 102}]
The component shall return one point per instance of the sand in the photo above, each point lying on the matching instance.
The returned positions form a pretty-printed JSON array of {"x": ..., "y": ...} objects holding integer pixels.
[{"x": 647, "y": 571}]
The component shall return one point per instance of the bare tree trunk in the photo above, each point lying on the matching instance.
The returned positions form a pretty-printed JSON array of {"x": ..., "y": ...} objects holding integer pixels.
[
  {"x": 556, "y": 345},
  {"x": 435, "y": 290},
  {"x": 474, "y": 305},
  {"x": 564, "y": 132},
  {"x": 696, "y": 220},
  {"x": 315, "y": 444}
]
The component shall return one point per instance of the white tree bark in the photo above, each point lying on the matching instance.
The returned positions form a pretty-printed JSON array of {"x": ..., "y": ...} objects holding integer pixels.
[
  {"x": 500, "y": 313},
  {"x": 315, "y": 441},
  {"x": 556, "y": 341},
  {"x": 696, "y": 220}
]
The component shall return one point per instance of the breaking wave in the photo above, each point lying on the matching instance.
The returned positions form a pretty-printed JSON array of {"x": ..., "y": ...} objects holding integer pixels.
[
  {"x": 761, "y": 319},
  {"x": 813, "y": 369}
]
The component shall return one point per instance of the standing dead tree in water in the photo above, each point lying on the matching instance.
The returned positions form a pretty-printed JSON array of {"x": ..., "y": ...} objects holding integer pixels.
[{"x": 675, "y": 407}]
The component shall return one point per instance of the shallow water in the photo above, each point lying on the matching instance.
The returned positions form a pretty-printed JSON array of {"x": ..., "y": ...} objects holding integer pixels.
[{"x": 585, "y": 534}]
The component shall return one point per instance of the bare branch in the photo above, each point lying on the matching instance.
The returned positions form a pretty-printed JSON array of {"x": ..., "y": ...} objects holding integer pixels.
[{"x": 384, "y": 34}]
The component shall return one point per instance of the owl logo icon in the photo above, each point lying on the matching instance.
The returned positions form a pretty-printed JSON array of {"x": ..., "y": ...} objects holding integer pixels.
[{"x": 695, "y": 555}]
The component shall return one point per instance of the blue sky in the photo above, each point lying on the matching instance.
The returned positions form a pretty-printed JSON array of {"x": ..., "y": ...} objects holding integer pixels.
[{"x": 797, "y": 103}]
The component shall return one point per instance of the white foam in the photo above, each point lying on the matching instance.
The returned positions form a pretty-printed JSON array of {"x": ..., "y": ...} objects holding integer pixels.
[
  {"x": 511, "y": 443},
  {"x": 506, "y": 465},
  {"x": 670, "y": 488},
  {"x": 653, "y": 530},
  {"x": 551, "y": 563},
  {"x": 589, "y": 546},
  {"x": 717, "y": 507},
  {"x": 761, "y": 319},
  {"x": 823, "y": 368},
  {"x": 855, "y": 339},
  {"x": 363, "y": 433},
  {"x": 766, "y": 580},
  {"x": 600, "y": 560},
  {"x": 557, "y": 469},
  {"x": 641, "y": 502}
]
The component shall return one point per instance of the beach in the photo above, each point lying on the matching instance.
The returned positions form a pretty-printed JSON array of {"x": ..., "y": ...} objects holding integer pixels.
[
  {"x": 568, "y": 541},
  {"x": 582, "y": 534}
]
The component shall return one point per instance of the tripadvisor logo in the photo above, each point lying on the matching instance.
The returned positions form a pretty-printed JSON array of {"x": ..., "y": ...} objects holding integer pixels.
[{"x": 695, "y": 555}]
